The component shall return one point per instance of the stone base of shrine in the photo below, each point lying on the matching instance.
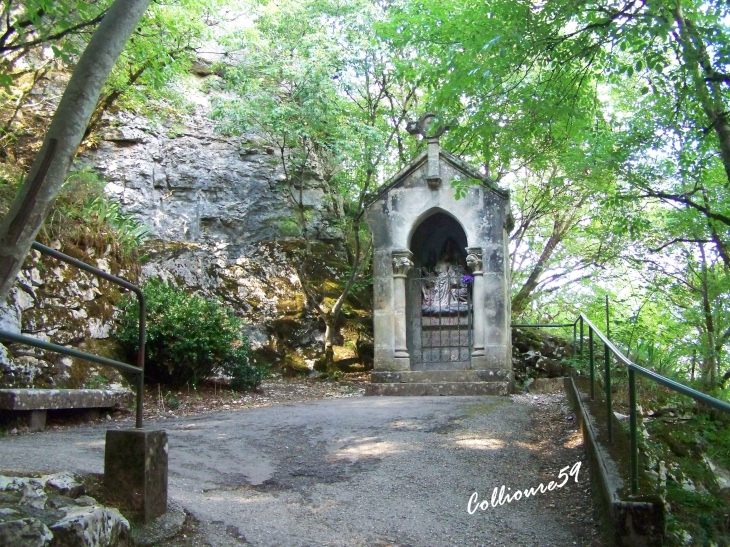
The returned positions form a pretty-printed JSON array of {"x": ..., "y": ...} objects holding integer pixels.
[{"x": 440, "y": 382}]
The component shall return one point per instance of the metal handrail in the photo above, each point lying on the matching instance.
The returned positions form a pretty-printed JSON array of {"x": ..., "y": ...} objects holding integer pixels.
[
  {"x": 609, "y": 348},
  {"x": 138, "y": 370},
  {"x": 633, "y": 369}
]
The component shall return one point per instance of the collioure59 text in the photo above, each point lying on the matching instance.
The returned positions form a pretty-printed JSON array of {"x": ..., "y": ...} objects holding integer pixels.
[{"x": 500, "y": 497}]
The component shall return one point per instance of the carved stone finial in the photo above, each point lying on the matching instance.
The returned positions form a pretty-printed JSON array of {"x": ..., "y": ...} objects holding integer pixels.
[
  {"x": 402, "y": 263},
  {"x": 423, "y": 127},
  {"x": 474, "y": 259}
]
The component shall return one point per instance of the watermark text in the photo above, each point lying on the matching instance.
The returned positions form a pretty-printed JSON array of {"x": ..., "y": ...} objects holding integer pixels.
[{"x": 500, "y": 497}]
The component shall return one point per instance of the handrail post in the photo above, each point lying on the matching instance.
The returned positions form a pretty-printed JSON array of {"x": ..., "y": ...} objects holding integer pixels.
[
  {"x": 574, "y": 340},
  {"x": 591, "y": 359},
  {"x": 609, "y": 405},
  {"x": 581, "y": 338},
  {"x": 140, "y": 357},
  {"x": 632, "y": 428}
]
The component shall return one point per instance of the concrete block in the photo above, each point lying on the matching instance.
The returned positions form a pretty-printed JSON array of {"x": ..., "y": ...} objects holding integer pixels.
[
  {"x": 135, "y": 468},
  {"x": 37, "y": 420}
]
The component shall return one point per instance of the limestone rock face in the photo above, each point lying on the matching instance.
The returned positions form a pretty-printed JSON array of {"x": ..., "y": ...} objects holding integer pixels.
[
  {"x": 223, "y": 224},
  {"x": 537, "y": 354},
  {"x": 91, "y": 527},
  {"x": 192, "y": 184},
  {"x": 223, "y": 221},
  {"x": 50, "y": 511},
  {"x": 65, "y": 484},
  {"x": 262, "y": 286},
  {"x": 27, "y": 532},
  {"x": 58, "y": 303}
]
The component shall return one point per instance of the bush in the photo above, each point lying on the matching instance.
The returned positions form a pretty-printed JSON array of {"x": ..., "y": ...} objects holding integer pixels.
[
  {"x": 243, "y": 375},
  {"x": 188, "y": 338}
]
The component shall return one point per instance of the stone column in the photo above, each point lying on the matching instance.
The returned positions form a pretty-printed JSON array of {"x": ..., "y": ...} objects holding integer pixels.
[
  {"x": 474, "y": 261},
  {"x": 402, "y": 264}
]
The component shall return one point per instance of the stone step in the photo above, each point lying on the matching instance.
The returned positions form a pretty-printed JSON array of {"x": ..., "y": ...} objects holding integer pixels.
[
  {"x": 443, "y": 388},
  {"x": 454, "y": 366},
  {"x": 438, "y": 376}
]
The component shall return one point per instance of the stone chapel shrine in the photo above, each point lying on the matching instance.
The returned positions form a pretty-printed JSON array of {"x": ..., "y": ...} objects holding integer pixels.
[{"x": 441, "y": 280}]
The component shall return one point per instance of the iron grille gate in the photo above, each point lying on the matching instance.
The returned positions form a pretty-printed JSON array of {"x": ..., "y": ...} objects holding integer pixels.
[{"x": 441, "y": 322}]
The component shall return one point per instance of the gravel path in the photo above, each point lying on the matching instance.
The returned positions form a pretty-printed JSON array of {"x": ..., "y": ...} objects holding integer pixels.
[{"x": 361, "y": 471}]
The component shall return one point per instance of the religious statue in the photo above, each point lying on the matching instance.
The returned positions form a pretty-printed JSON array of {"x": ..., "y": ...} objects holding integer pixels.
[{"x": 445, "y": 290}]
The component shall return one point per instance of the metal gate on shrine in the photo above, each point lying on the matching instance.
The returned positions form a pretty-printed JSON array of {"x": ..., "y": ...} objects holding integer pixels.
[{"x": 441, "y": 326}]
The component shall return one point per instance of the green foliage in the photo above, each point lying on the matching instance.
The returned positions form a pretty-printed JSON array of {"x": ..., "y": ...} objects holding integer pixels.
[
  {"x": 461, "y": 187},
  {"x": 172, "y": 402},
  {"x": 696, "y": 501},
  {"x": 188, "y": 338},
  {"x": 82, "y": 215},
  {"x": 608, "y": 123},
  {"x": 130, "y": 233},
  {"x": 320, "y": 88},
  {"x": 162, "y": 52},
  {"x": 243, "y": 374},
  {"x": 39, "y": 38}
]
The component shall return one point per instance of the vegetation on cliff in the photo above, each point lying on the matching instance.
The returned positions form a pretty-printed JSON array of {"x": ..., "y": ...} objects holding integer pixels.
[{"x": 608, "y": 121}]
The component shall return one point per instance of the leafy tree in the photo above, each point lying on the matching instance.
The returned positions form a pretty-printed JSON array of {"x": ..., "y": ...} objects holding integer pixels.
[
  {"x": 640, "y": 89},
  {"x": 517, "y": 118},
  {"x": 35, "y": 197},
  {"x": 159, "y": 53},
  {"x": 42, "y": 43},
  {"x": 324, "y": 94},
  {"x": 60, "y": 25}
]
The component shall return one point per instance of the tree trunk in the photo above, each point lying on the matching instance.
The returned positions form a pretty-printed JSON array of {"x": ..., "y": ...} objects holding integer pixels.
[
  {"x": 697, "y": 60},
  {"x": 329, "y": 351},
  {"x": 522, "y": 298},
  {"x": 33, "y": 202},
  {"x": 710, "y": 359}
]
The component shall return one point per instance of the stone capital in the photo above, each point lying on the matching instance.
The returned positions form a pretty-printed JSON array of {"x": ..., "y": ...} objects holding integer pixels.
[
  {"x": 402, "y": 263},
  {"x": 474, "y": 259}
]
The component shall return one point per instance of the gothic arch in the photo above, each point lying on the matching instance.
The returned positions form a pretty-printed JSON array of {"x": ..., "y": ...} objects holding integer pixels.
[
  {"x": 437, "y": 235},
  {"x": 425, "y": 216}
]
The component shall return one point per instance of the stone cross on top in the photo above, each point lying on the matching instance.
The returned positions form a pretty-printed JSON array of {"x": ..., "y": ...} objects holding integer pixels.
[{"x": 423, "y": 127}]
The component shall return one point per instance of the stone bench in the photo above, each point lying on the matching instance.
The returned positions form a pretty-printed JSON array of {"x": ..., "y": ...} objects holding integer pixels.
[{"x": 35, "y": 403}]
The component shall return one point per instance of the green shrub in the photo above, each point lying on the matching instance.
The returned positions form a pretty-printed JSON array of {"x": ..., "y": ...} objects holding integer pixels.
[
  {"x": 188, "y": 338},
  {"x": 173, "y": 403},
  {"x": 243, "y": 374}
]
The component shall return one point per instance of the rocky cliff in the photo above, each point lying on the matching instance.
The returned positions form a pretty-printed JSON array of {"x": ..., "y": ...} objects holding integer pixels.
[{"x": 222, "y": 224}]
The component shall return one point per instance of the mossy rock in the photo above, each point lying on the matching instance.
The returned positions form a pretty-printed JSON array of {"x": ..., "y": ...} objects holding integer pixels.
[{"x": 294, "y": 365}]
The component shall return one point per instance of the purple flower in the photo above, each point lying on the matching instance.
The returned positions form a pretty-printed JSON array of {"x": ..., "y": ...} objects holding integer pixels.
[{"x": 467, "y": 279}]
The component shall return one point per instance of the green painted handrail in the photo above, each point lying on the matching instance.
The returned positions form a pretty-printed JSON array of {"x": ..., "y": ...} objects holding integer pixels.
[
  {"x": 138, "y": 370},
  {"x": 633, "y": 369}
]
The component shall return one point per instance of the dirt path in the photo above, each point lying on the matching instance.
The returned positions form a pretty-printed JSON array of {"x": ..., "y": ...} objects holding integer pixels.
[{"x": 360, "y": 472}]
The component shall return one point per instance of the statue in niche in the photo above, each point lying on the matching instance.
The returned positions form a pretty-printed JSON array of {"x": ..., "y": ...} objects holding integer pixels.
[{"x": 445, "y": 289}]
